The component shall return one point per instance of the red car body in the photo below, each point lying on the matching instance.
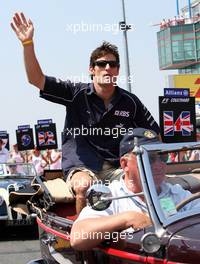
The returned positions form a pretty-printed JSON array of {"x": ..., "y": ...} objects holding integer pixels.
[{"x": 178, "y": 235}]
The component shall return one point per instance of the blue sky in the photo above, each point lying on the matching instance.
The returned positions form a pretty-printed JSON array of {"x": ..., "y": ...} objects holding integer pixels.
[{"x": 62, "y": 53}]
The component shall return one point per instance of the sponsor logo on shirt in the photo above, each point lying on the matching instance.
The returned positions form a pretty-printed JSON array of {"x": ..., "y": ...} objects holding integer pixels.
[
  {"x": 120, "y": 125},
  {"x": 122, "y": 113}
]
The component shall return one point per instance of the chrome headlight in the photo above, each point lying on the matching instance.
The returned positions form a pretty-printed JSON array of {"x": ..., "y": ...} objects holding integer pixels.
[{"x": 1, "y": 200}]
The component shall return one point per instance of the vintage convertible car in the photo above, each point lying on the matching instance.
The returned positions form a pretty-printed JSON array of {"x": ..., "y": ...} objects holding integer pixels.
[
  {"x": 14, "y": 177},
  {"x": 174, "y": 236}
]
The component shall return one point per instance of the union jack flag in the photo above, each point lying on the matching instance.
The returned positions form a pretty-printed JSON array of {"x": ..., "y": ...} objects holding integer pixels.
[
  {"x": 46, "y": 138},
  {"x": 168, "y": 123},
  {"x": 183, "y": 124}
]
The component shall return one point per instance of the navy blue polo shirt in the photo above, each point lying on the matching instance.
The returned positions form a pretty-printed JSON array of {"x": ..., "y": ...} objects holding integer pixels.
[{"x": 92, "y": 133}]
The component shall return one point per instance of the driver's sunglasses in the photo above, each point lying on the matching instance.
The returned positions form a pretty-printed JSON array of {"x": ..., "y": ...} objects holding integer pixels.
[
  {"x": 12, "y": 166},
  {"x": 156, "y": 157},
  {"x": 103, "y": 63}
]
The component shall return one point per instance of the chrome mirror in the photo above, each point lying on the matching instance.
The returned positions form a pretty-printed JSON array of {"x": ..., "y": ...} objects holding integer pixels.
[
  {"x": 99, "y": 197},
  {"x": 95, "y": 194}
]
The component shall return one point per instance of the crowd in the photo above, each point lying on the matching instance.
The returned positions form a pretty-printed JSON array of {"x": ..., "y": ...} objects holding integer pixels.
[
  {"x": 178, "y": 20},
  {"x": 189, "y": 155},
  {"x": 45, "y": 159}
]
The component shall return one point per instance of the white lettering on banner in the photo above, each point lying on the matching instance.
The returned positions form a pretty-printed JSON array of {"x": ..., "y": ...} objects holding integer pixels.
[{"x": 180, "y": 100}]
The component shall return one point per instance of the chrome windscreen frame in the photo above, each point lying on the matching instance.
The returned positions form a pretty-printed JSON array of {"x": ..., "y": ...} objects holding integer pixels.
[{"x": 155, "y": 211}]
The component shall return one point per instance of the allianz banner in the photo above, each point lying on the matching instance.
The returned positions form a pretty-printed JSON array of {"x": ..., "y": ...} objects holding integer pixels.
[{"x": 177, "y": 119}]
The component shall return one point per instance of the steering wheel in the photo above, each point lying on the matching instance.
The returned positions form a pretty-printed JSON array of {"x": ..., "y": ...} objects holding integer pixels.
[{"x": 187, "y": 200}]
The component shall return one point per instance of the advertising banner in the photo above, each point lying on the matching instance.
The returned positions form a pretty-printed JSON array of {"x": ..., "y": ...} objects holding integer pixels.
[
  {"x": 25, "y": 140},
  {"x": 46, "y": 137},
  {"x": 5, "y": 137},
  {"x": 177, "y": 119}
]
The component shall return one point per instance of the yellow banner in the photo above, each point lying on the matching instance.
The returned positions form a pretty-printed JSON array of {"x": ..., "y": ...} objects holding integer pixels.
[{"x": 191, "y": 81}]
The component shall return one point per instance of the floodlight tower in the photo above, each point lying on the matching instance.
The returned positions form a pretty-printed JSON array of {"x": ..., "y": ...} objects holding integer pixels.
[{"x": 124, "y": 27}]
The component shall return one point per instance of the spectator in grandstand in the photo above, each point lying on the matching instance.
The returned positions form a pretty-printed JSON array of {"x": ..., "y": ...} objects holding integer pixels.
[
  {"x": 16, "y": 154},
  {"x": 4, "y": 153},
  {"x": 54, "y": 159},
  {"x": 39, "y": 161}
]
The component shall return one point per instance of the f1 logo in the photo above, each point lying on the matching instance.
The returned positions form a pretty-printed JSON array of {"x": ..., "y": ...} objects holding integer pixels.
[{"x": 165, "y": 100}]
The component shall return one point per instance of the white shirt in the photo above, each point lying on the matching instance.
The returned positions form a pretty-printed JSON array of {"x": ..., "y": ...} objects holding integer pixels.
[
  {"x": 177, "y": 195},
  {"x": 4, "y": 155},
  {"x": 118, "y": 188},
  {"x": 17, "y": 157},
  {"x": 38, "y": 163},
  {"x": 56, "y": 165}
]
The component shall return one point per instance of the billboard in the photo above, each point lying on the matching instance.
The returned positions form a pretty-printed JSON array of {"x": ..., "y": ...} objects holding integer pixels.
[
  {"x": 177, "y": 119},
  {"x": 25, "y": 140},
  {"x": 46, "y": 137},
  {"x": 191, "y": 81},
  {"x": 5, "y": 137}
]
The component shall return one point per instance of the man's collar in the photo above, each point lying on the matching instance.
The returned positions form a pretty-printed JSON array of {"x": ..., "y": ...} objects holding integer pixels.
[
  {"x": 90, "y": 89},
  {"x": 123, "y": 185},
  {"x": 165, "y": 189},
  {"x": 139, "y": 201}
]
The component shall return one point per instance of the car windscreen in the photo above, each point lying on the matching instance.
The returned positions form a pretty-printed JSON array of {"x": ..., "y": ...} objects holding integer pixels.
[
  {"x": 17, "y": 169},
  {"x": 176, "y": 177}
]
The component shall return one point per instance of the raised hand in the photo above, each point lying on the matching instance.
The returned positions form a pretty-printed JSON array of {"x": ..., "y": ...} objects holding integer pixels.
[{"x": 24, "y": 29}]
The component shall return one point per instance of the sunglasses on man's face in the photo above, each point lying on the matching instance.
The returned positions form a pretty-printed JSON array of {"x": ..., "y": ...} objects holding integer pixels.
[
  {"x": 103, "y": 63},
  {"x": 155, "y": 157}
]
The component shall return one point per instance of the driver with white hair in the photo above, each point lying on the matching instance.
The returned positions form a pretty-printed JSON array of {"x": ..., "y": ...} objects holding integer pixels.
[
  {"x": 12, "y": 167},
  {"x": 126, "y": 213}
]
